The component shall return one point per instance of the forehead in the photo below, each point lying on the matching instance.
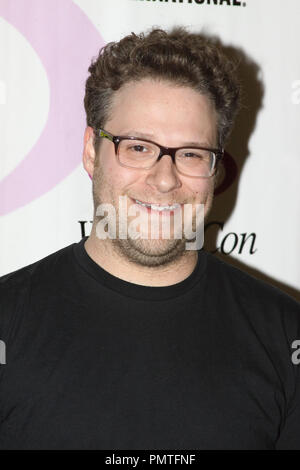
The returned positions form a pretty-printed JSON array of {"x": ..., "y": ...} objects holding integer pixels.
[{"x": 164, "y": 109}]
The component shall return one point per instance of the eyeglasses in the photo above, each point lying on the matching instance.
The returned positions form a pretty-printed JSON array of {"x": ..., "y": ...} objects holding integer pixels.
[{"x": 133, "y": 152}]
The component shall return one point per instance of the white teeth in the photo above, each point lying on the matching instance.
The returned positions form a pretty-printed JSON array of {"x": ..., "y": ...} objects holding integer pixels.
[
  {"x": 157, "y": 207},
  {"x": 142, "y": 203},
  {"x": 161, "y": 208}
]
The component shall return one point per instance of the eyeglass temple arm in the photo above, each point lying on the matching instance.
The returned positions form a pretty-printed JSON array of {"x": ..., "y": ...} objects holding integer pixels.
[
  {"x": 103, "y": 133},
  {"x": 220, "y": 153}
]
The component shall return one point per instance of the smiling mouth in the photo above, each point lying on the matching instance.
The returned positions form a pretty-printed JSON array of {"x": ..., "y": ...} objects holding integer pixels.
[{"x": 157, "y": 207}]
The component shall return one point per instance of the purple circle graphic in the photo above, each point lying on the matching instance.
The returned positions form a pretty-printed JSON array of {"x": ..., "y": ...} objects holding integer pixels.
[{"x": 65, "y": 41}]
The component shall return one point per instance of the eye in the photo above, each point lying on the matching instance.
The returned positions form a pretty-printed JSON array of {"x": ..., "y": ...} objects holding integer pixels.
[
  {"x": 139, "y": 148},
  {"x": 190, "y": 154},
  {"x": 194, "y": 154}
]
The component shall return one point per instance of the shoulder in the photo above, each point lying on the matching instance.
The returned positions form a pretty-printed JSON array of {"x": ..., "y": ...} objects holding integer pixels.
[
  {"x": 254, "y": 295},
  {"x": 240, "y": 279},
  {"x": 49, "y": 265},
  {"x": 16, "y": 286},
  {"x": 266, "y": 320}
]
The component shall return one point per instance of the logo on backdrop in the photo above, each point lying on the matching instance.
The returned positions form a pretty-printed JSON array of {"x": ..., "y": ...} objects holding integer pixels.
[
  {"x": 53, "y": 157},
  {"x": 233, "y": 3},
  {"x": 52, "y": 32}
]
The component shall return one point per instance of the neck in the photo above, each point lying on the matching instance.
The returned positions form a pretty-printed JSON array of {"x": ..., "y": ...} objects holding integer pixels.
[{"x": 105, "y": 254}]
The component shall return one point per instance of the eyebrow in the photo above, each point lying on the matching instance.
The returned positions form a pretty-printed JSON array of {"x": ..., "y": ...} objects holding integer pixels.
[{"x": 145, "y": 135}]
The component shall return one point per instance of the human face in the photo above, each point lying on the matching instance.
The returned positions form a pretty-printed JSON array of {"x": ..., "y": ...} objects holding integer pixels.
[{"x": 172, "y": 116}]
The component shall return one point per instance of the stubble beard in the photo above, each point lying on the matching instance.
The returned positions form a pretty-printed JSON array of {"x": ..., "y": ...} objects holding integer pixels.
[
  {"x": 150, "y": 252},
  {"x": 143, "y": 252}
]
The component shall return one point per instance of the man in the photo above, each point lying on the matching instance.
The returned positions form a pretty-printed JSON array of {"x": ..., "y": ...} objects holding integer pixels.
[{"x": 130, "y": 339}]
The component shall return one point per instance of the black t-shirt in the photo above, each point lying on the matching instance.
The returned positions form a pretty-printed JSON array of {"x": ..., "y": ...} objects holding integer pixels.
[{"x": 95, "y": 362}]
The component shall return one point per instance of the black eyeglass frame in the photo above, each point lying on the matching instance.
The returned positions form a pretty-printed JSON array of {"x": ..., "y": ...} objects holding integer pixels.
[{"x": 116, "y": 139}]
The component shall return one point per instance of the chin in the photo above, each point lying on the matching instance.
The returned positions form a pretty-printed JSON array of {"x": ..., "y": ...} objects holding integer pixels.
[{"x": 151, "y": 252}]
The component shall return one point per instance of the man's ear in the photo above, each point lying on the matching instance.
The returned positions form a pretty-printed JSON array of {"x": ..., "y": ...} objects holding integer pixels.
[{"x": 88, "y": 156}]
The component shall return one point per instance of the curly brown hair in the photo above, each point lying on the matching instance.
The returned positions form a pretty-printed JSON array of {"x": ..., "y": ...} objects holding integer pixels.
[{"x": 188, "y": 59}]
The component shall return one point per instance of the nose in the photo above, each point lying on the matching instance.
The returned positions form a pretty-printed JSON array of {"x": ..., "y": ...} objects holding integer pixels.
[{"x": 163, "y": 176}]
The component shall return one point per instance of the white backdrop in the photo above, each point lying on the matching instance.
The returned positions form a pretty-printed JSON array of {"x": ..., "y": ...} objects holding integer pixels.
[{"x": 45, "y": 194}]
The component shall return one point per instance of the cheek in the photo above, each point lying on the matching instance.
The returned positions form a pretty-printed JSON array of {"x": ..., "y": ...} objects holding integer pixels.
[
  {"x": 107, "y": 173},
  {"x": 117, "y": 178},
  {"x": 203, "y": 191}
]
